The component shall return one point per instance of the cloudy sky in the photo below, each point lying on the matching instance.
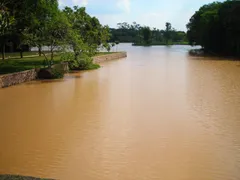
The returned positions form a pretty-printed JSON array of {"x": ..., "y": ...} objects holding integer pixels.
[{"x": 153, "y": 13}]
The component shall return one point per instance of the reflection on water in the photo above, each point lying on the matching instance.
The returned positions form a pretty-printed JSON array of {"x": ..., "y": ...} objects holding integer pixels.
[{"x": 158, "y": 114}]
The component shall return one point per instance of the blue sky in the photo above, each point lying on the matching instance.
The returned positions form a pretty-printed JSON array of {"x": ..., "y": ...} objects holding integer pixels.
[{"x": 153, "y": 13}]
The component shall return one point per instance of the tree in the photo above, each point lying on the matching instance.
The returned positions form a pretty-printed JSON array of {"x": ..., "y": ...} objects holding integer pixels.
[
  {"x": 6, "y": 25},
  {"x": 146, "y": 32},
  {"x": 134, "y": 33},
  {"x": 167, "y": 33},
  {"x": 87, "y": 32},
  {"x": 41, "y": 15},
  {"x": 229, "y": 18},
  {"x": 56, "y": 33},
  {"x": 215, "y": 27}
]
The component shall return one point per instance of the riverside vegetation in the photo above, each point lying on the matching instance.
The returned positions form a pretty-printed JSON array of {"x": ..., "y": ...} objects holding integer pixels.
[
  {"x": 73, "y": 35},
  {"x": 216, "y": 27},
  {"x": 41, "y": 23},
  {"x": 145, "y": 36}
]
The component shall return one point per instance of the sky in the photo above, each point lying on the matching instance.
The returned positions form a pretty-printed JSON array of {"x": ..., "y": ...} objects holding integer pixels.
[{"x": 153, "y": 13}]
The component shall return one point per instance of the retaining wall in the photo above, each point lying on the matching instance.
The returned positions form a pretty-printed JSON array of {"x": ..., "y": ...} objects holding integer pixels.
[
  {"x": 17, "y": 78},
  {"x": 29, "y": 75},
  {"x": 107, "y": 57}
]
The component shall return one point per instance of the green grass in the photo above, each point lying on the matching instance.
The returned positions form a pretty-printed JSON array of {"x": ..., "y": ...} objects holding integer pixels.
[
  {"x": 17, "y": 64},
  {"x": 93, "y": 66},
  {"x": 17, "y": 54}
]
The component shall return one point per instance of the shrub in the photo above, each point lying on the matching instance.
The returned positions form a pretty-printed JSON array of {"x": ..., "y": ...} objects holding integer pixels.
[
  {"x": 57, "y": 73},
  {"x": 50, "y": 73},
  {"x": 83, "y": 62}
]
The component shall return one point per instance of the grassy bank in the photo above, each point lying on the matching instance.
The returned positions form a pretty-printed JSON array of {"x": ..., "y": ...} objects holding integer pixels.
[
  {"x": 17, "y": 64},
  {"x": 209, "y": 54},
  {"x": 26, "y": 63},
  {"x": 11, "y": 177},
  {"x": 17, "y": 54}
]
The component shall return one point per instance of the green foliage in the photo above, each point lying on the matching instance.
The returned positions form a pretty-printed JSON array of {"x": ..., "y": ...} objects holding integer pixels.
[
  {"x": 67, "y": 56},
  {"x": 6, "y": 25},
  {"x": 39, "y": 17},
  {"x": 107, "y": 46},
  {"x": 57, "y": 73},
  {"x": 140, "y": 35},
  {"x": 87, "y": 32},
  {"x": 16, "y": 65},
  {"x": 216, "y": 28},
  {"x": 168, "y": 32},
  {"x": 81, "y": 63},
  {"x": 146, "y": 32},
  {"x": 53, "y": 72},
  {"x": 42, "y": 23},
  {"x": 6, "y": 20}
]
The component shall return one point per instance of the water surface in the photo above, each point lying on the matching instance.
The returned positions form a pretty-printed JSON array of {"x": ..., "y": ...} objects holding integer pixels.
[{"x": 156, "y": 115}]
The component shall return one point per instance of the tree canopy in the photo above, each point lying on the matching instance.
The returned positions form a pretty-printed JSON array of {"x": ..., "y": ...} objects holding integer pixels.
[
  {"x": 38, "y": 23},
  {"x": 145, "y": 35},
  {"x": 216, "y": 27}
]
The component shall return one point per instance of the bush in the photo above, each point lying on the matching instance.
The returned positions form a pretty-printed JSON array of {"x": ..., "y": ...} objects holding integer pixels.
[
  {"x": 57, "y": 74},
  {"x": 50, "y": 73},
  {"x": 84, "y": 62}
]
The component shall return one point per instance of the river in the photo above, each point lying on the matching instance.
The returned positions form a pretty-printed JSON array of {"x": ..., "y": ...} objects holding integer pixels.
[{"x": 159, "y": 114}]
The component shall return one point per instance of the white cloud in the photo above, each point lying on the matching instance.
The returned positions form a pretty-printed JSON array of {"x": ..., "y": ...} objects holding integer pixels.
[
  {"x": 124, "y": 5},
  {"x": 61, "y": 3},
  {"x": 80, "y": 2}
]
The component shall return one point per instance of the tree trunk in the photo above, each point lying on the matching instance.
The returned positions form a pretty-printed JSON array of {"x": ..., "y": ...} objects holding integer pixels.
[
  {"x": 3, "y": 51},
  {"x": 40, "y": 50},
  {"x": 21, "y": 53},
  {"x": 51, "y": 56}
]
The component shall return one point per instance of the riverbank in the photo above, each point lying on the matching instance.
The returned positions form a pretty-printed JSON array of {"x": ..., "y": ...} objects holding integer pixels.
[
  {"x": 160, "y": 44},
  {"x": 106, "y": 57},
  {"x": 13, "y": 177},
  {"x": 29, "y": 61},
  {"x": 203, "y": 53},
  {"x": 27, "y": 69}
]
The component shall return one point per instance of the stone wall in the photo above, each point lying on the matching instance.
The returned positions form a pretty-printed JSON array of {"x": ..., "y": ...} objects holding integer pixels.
[
  {"x": 29, "y": 75},
  {"x": 17, "y": 78},
  {"x": 62, "y": 66},
  {"x": 107, "y": 57}
]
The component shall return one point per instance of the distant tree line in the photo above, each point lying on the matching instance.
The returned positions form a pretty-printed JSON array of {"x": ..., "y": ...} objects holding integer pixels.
[
  {"x": 144, "y": 35},
  {"x": 216, "y": 27}
]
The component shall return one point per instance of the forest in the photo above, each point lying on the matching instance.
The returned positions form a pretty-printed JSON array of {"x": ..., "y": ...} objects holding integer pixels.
[{"x": 144, "y": 35}]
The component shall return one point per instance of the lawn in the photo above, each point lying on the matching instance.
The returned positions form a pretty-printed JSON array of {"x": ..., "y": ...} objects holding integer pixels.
[
  {"x": 17, "y": 54},
  {"x": 26, "y": 63},
  {"x": 17, "y": 64}
]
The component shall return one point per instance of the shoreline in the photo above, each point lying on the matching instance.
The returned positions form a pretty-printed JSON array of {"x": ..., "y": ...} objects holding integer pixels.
[
  {"x": 18, "y": 177},
  {"x": 160, "y": 44},
  {"x": 202, "y": 53},
  {"x": 20, "y": 77}
]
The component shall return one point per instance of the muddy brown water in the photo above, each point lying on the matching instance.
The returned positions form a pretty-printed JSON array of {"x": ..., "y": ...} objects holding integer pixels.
[{"x": 156, "y": 115}]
